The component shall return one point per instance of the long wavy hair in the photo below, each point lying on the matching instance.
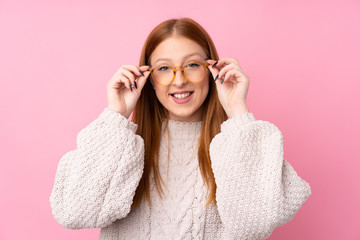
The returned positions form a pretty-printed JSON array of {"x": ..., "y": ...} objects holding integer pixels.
[{"x": 149, "y": 112}]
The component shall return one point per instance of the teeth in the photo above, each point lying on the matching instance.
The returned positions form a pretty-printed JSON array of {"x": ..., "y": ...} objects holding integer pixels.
[{"x": 183, "y": 95}]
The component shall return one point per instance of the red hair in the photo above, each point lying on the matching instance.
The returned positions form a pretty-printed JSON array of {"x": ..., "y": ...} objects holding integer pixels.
[{"x": 149, "y": 112}]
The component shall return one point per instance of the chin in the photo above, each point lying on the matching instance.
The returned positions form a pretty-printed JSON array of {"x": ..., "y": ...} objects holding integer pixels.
[
  {"x": 180, "y": 115},
  {"x": 186, "y": 114}
]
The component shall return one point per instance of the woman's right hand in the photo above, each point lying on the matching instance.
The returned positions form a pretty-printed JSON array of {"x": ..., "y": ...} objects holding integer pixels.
[{"x": 124, "y": 88}]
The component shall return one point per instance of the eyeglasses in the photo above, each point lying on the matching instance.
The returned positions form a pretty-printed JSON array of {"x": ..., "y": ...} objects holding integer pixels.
[{"x": 193, "y": 72}]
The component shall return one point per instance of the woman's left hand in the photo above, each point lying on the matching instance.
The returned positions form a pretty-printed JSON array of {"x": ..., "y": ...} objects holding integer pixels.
[{"x": 232, "y": 85}]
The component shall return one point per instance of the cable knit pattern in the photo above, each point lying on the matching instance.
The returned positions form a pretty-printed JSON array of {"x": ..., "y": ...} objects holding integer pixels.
[
  {"x": 180, "y": 215},
  {"x": 95, "y": 183},
  {"x": 257, "y": 190}
]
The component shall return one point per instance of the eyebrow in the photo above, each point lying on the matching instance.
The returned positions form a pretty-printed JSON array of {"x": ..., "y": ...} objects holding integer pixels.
[{"x": 185, "y": 57}]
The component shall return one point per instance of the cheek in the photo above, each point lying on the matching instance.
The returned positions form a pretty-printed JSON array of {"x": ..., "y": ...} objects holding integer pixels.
[
  {"x": 205, "y": 88},
  {"x": 161, "y": 93}
]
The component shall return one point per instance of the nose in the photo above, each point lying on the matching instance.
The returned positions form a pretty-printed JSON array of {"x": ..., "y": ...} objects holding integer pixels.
[{"x": 179, "y": 78}]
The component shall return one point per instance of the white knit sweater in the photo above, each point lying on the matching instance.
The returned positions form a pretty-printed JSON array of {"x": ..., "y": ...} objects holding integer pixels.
[{"x": 257, "y": 190}]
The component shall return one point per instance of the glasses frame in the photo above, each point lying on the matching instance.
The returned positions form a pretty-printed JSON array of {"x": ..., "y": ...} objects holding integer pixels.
[{"x": 174, "y": 69}]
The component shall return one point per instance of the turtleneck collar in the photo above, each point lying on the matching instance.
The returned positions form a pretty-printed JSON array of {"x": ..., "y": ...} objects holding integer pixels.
[{"x": 182, "y": 129}]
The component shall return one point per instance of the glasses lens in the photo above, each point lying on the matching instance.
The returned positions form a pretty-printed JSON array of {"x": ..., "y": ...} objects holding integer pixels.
[
  {"x": 193, "y": 71},
  {"x": 163, "y": 74}
]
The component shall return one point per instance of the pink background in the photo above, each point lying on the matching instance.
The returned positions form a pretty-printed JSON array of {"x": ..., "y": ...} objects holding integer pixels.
[{"x": 302, "y": 59}]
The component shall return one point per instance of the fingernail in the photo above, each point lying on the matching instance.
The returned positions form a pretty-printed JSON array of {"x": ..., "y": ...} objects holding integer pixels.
[
  {"x": 207, "y": 58},
  {"x": 216, "y": 77},
  {"x": 141, "y": 73},
  {"x": 135, "y": 84},
  {"x": 214, "y": 64},
  {"x": 223, "y": 80},
  {"x": 148, "y": 65},
  {"x": 131, "y": 88}
]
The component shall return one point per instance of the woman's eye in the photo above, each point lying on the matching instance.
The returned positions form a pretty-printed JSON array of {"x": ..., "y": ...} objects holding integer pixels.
[
  {"x": 164, "y": 68},
  {"x": 193, "y": 65}
]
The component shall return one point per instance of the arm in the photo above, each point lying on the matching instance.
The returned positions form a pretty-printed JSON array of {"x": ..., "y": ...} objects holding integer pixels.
[
  {"x": 95, "y": 183},
  {"x": 257, "y": 190}
]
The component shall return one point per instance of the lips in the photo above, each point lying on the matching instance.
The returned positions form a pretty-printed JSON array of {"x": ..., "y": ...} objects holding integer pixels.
[
  {"x": 180, "y": 92},
  {"x": 182, "y": 98}
]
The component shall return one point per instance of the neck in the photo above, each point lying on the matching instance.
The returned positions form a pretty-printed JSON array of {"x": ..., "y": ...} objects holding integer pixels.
[
  {"x": 195, "y": 117},
  {"x": 183, "y": 129}
]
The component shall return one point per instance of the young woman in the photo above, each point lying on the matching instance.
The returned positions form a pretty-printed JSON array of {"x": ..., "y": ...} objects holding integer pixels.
[{"x": 192, "y": 163}]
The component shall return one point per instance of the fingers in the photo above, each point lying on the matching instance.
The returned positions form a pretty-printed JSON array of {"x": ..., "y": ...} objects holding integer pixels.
[
  {"x": 142, "y": 80},
  {"x": 145, "y": 67},
  {"x": 130, "y": 75},
  {"x": 125, "y": 81},
  {"x": 229, "y": 75},
  {"x": 136, "y": 74},
  {"x": 226, "y": 61},
  {"x": 144, "y": 71},
  {"x": 221, "y": 68},
  {"x": 214, "y": 71},
  {"x": 225, "y": 70}
]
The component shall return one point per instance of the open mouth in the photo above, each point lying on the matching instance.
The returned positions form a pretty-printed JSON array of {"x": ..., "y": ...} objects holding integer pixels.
[{"x": 181, "y": 95}]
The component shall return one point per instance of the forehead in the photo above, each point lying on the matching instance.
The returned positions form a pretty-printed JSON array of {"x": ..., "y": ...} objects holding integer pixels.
[{"x": 176, "y": 50}]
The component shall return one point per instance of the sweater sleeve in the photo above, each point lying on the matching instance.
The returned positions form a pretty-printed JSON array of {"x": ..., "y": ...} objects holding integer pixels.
[
  {"x": 257, "y": 189},
  {"x": 95, "y": 183}
]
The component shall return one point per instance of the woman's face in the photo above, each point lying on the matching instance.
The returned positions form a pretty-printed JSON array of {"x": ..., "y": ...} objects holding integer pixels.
[{"x": 180, "y": 51}]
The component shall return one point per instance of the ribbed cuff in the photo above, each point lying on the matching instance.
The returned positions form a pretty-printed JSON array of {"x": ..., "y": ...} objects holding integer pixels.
[
  {"x": 237, "y": 121},
  {"x": 112, "y": 117}
]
